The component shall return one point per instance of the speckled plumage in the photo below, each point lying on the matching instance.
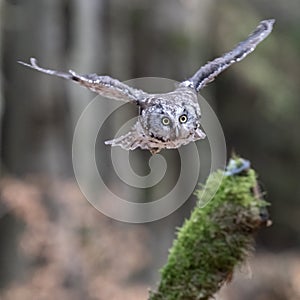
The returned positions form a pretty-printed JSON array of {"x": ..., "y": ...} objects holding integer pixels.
[
  {"x": 150, "y": 133},
  {"x": 167, "y": 120}
]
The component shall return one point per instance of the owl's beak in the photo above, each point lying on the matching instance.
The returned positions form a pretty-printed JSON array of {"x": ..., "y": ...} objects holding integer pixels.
[{"x": 176, "y": 131}]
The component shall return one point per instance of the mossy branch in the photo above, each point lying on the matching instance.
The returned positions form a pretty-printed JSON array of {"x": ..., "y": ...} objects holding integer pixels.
[{"x": 215, "y": 238}]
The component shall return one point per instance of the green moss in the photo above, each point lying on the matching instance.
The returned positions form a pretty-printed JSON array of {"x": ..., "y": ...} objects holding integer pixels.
[{"x": 213, "y": 240}]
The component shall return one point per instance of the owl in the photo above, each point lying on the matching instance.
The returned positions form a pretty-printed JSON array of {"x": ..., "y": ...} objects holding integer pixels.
[{"x": 168, "y": 120}]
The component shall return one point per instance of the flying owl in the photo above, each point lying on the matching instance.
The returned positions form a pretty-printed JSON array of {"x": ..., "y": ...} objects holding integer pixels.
[{"x": 167, "y": 120}]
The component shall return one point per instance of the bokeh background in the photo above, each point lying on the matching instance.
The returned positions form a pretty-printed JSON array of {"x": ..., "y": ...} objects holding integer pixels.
[{"x": 53, "y": 243}]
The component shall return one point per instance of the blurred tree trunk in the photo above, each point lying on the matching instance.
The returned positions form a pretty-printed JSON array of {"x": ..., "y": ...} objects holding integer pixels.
[
  {"x": 1, "y": 88},
  {"x": 35, "y": 125},
  {"x": 87, "y": 50}
]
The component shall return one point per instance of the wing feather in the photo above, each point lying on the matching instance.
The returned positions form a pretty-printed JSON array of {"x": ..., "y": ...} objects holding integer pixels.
[{"x": 103, "y": 85}]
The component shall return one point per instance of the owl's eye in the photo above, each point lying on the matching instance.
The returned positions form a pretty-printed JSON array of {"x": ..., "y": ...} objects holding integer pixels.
[
  {"x": 183, "y": 119},
  {"x": 165, "y": 121}
]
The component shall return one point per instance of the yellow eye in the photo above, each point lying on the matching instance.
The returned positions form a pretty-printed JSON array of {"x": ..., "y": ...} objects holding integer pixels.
[
  {"x": 183, "y": 119},
  {"x": 165, "y": 121}
]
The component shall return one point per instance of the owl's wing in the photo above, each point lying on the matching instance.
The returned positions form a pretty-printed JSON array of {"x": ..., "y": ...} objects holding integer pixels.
[
  {"x": 103, "y": 85},
  {"x": 212, "y": 69}
]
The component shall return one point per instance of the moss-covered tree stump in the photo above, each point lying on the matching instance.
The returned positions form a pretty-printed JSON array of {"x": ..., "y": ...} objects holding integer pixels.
[{"x": 215, "y": 238}]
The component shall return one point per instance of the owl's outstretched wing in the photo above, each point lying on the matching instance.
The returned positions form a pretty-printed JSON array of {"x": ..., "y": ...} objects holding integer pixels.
[
  {"x": 212, "y": 69},
  {"x": 103, "y": 85}
]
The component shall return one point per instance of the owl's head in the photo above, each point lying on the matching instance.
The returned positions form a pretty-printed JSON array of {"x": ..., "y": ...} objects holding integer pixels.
[
  {"x": 166, "y": 121},
  {"x": 173, "y": 117}
]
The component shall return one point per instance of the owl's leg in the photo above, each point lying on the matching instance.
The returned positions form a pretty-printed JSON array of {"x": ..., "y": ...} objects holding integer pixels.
[
  {"x": 129, "y": 141},
  {"x": 154, "y": 150},
  {"x": 135, "y": 138}
]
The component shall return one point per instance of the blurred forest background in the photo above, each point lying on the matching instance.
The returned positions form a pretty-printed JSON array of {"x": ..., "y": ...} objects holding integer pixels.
[{"x": 53, "y": 243}]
